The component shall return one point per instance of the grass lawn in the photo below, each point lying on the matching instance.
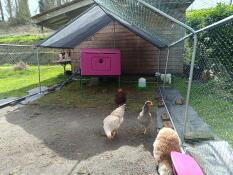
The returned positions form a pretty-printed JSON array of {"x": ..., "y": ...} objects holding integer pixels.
[
  {"x": 16, "y": 83},
  {"x": 100, "y": 96},
  {"x": 214, "y": 110},
  {"x": 23, "y": 39}
]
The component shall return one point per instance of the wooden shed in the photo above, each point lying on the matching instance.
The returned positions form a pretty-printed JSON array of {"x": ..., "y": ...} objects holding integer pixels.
[{"x": 141, "y": 52}]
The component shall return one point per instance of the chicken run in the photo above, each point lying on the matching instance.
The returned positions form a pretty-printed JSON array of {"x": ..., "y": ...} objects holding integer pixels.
[{"x": 95, "y": 141}]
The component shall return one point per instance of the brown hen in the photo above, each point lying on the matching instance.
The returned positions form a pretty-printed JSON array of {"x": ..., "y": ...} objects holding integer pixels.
[{"x": 120, "y": 97}]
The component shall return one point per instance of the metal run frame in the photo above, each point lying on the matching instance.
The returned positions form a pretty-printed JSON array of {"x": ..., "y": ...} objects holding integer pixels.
[
  {"x": 38, "y": 66},
  {"x": 195, "y": 41},
  {"x": 165, "y": 77}
]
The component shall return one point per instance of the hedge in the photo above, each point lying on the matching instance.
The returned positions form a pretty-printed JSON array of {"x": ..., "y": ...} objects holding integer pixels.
[{"x": 215, "y": 46}]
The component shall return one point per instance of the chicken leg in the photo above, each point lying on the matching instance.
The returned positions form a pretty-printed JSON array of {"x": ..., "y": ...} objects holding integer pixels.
[
  {"x": 145, "y": 131},
  {"x": 114, "y": 133}
]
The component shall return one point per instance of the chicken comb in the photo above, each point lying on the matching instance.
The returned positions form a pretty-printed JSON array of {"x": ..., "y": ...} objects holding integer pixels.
[
  {"x": 119, "y": 90},
  {"x": 148, "y": 101}
]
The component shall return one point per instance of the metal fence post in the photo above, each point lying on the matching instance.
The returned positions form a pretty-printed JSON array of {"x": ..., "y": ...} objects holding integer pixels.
[
  {"x": 159, "y": 61},
  {"x": 158, "y": 68},
  {"x": 189, "y": 84},
  {"x": 38, "y": 66},
  {"x": 165, "y": 76}
]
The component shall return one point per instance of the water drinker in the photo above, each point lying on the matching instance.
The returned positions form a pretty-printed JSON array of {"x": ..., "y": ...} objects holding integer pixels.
[{"x": 142, "y": 83}]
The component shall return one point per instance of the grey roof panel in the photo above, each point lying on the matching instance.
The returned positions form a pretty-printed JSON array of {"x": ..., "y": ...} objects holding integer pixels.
[
  {"x": 86, "y": 25},
  {"x": 78, "y": 29}
]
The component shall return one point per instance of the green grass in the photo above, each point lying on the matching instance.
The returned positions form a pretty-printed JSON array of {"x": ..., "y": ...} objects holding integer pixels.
[
  {"x": 16, "y": 83},
  {"x": 99, "y": 96},
  {"x": 214, "y": 110},
  {"x": 23, "y": 39}
]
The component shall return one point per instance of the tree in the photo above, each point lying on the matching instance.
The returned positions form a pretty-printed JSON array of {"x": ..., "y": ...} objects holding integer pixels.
[
  {"x": 16, "y": 6},
  {"x": 65, "y": 1},
  {"x": 41, "y": 6},
  {"x": 59, "y": 2},
  {"x": 9, "y": 8},
  {"x": 23, "y": 12},
  {"x": 45, "y": 5},
  {"x": 1, "y": 11}
]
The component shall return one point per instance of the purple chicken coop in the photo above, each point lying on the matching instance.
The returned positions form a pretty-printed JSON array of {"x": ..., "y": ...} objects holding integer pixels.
[{"x": 100, "y": 62}]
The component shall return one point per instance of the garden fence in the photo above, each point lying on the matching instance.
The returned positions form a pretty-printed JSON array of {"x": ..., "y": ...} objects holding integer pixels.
[{"x": 24, "y": 67}]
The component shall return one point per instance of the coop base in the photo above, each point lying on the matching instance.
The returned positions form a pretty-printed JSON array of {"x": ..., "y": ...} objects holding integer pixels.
[{"x": 84, "y": 77}]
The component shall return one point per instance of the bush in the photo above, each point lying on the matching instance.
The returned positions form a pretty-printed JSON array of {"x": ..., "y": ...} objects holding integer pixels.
[{"x": 215, "y": 45}]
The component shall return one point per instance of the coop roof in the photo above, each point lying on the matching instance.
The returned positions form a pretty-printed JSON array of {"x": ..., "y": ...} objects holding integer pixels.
[{"x": 88, "y": 23}]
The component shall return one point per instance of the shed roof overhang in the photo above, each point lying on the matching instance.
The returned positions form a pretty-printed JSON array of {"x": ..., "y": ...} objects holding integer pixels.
[{"x": 57, "y": 17}]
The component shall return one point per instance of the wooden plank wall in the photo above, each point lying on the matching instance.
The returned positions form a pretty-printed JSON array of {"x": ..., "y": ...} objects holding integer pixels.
[{"x": 138, "y": 55}]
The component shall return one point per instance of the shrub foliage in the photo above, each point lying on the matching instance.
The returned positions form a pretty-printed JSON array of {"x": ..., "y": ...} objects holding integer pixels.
[{"x": 215, "y": 46}]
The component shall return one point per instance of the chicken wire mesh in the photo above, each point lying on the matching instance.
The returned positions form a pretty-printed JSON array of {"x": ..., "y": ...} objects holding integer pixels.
[
  {"x": 145, "y": 19},
  {"x": 212, "y": 93},
  {"x": 213, "y": 56},
  {"x": 19, "y": 71},
  {"x": 209, "y": 109},
  {"x": 208, "y": 126}
]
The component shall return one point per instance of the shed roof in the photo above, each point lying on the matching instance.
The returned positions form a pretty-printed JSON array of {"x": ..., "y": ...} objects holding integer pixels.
[
  {"x": 58, "y": 16},
  {"x": 87, "y": 24}
]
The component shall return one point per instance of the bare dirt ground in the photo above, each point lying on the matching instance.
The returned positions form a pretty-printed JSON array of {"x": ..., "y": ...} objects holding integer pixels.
[{"x": 54, "y": 140}]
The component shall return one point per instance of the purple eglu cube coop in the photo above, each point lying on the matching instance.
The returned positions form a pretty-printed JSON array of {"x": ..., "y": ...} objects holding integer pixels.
[{"x": 100, "y": 62}]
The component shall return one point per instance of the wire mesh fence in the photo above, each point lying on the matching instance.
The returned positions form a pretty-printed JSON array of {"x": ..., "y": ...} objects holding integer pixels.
[
  {"x": 207, "y": 80},
  {"x": 212, "y": 93},
  {"x": 21, "y": 70},
  {"x": 211, "y": 90},
  {"x": 210, "y": 107},
  {"x": 211, "y": 82},
  {"x": 137, "y": 14}
]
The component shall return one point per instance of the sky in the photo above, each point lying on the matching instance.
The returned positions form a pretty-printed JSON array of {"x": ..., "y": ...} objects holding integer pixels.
[
  {"x": 198, "y": 4},
  {"x": 202, "y": 4}
]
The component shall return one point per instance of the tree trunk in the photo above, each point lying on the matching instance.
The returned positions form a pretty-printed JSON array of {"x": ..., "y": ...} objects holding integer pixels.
[
  {"x": 41, "y": 6},
  {"x": 58, "y": 2},
  {"x": 1, "y": 11},
  {"x": 9, "y": 8},
  {"x": 23, "y": 14},
  {"x": 65, "y": 1},
  {"x": 16, "y": 6}
]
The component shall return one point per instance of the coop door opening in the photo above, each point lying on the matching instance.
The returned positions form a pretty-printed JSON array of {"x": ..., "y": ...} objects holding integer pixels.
[{"x": 101, "y": 63}]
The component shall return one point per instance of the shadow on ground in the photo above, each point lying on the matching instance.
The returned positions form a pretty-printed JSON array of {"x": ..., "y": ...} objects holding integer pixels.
[{"x": 76, "y": 133}]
